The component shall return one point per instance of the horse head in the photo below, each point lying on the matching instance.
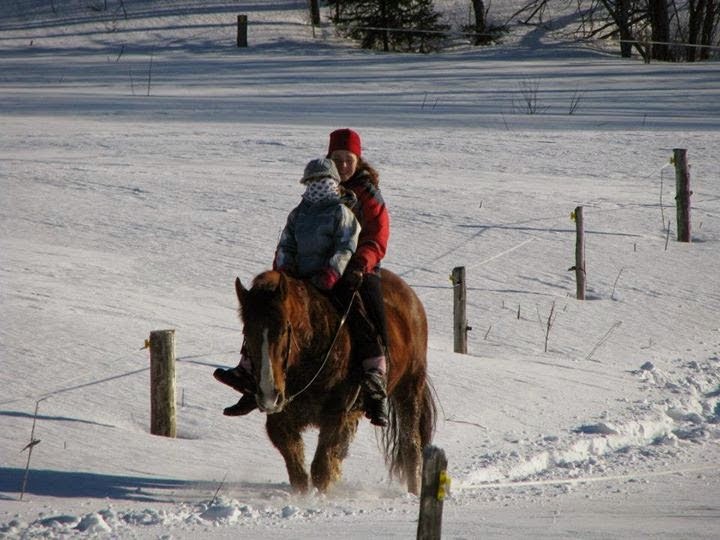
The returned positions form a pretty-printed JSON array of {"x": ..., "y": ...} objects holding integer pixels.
[{"x": 264, "y": 310}]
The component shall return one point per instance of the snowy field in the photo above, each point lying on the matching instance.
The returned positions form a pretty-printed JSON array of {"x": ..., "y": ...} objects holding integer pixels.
[{"x": 145, "y": 162}]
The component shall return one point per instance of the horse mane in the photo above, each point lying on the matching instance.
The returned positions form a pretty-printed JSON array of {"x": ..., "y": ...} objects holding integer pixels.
[
  {"x": 269, "y": 280},
  {"x": 312, "y": 314}
]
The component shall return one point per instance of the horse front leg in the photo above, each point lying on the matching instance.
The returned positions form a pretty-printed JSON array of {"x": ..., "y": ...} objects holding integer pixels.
[
  {"x": 336, "y": 434},
  {"x": 288, "y": 440}
]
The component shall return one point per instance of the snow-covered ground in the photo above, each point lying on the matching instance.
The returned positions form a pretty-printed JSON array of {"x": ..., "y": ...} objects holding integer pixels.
[{"x": 146, "y": 162}]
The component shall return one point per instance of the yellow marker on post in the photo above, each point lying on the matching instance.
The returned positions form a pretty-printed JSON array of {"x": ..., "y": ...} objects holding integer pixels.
[{"x": 443, "y": 485}]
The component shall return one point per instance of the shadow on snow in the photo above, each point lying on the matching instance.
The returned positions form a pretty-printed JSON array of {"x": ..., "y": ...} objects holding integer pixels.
[{"x": 44, "y": 482}]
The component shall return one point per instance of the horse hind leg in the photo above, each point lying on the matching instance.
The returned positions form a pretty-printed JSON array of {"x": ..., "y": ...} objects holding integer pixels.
[
  {"x": 336, "y": 434},
  {"x": 289, "y": 443}
]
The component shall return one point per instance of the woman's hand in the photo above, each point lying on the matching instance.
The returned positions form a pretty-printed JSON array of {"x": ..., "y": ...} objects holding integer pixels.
[{"x": 353, "y": 278}]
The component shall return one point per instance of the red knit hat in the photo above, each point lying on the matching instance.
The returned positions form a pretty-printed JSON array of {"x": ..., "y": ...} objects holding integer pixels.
[{"x": 345, "y": 139}]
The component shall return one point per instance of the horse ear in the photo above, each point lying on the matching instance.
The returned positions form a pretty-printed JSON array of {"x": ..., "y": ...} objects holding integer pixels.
[
  {"x": 282, "y": 286},
  {"x": 240, "y": 290}
]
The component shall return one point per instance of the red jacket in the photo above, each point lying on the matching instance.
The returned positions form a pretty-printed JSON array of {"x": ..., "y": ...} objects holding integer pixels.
[{"x": 371, "y": 212}]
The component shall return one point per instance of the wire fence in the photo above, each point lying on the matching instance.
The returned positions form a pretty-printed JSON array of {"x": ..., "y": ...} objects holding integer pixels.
[
  {"x": 463, "y": 34},
  {"x": 669, "y": 43},
  {"x": 538, "y": 235},
  {"x": 448, "y": 33}
]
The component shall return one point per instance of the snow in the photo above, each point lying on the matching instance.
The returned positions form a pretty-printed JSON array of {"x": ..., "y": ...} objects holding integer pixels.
[{"x": 123, "y": 213}]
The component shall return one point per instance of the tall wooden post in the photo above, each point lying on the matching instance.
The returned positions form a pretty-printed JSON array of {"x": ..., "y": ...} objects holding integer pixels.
[
  {"x": 460, "y": 326},
  {"x": 435, "y": 484},
  {"x": 162, "y": 383},
  {"x": 242, "y": 31},
  {"x": 682, "y": 194},
  {"x": 580, "y": 253}
]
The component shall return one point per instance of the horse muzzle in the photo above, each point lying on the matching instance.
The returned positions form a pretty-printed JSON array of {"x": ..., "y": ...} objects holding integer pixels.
[{"x": 271, "y": 403}]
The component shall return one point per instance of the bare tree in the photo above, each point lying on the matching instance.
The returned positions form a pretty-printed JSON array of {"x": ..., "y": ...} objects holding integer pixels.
[
  {"x": 651, "y": 26},
  {"x": 480, "y": 24},
  {"x": 535, "y": 8},
  {"x": 623, "y": 22},
  {"x": 656, "y": 29},
  {"x": 703, "y": 21},
  {"x": 315, "y": 12},
  {"x": 659, "y": 17}
]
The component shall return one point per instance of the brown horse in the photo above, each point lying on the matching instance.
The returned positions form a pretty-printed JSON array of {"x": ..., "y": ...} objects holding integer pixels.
[{"x": 305, "y": 377}]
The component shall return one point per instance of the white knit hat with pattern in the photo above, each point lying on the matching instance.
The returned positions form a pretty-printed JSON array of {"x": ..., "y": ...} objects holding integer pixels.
[{"x": 320, "y": 168}]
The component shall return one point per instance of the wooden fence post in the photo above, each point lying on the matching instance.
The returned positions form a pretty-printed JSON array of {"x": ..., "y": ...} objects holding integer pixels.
[
  {"x": 162, "y": 383},
  {"x": 460, "y": 326},
  {"x": 435, "y": 484},
  {"x": 580, "y": 274},
  {"x": 682, "y": 194},
  {"x": 242, "y": 22}
]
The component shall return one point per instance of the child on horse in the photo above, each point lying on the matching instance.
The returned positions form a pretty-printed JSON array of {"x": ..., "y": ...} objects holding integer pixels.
[{"x": 317, "y": 242}]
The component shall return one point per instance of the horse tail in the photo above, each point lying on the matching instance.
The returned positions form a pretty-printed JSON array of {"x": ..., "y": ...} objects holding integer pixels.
[
  {"x": 428, "y": 416},
  {"x": 390, "y": 441},
  {"x": 395, "y": 452}
]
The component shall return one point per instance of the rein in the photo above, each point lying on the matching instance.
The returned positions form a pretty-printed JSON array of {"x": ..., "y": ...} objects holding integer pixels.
[{"x": 327, "y": 354}]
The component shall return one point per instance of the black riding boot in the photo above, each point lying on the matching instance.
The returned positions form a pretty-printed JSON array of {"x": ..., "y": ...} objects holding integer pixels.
[
  {"x": 242, "y": 381},
  {"x": 245, "y": 405},
  {"x": 237, "y": 378},
  {"x": 376, "y": 408}
]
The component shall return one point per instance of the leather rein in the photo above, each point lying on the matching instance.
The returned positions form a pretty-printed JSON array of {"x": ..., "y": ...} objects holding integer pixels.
[{"x": 327, "y": 354}]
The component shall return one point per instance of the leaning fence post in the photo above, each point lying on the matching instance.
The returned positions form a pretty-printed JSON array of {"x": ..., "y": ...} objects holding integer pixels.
[
  {"x": 460, "y": 326},
  {"x": 162, "y": 383},
  {"x": 435, "y": 485},
  {"x": 242, "y": 22},
  {"x": 579, "y": 267},
  {"x": 682, "y": 194}
]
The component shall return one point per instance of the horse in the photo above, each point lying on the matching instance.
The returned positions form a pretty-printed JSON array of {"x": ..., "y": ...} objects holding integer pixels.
[{"x": 301, "y": 357}]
